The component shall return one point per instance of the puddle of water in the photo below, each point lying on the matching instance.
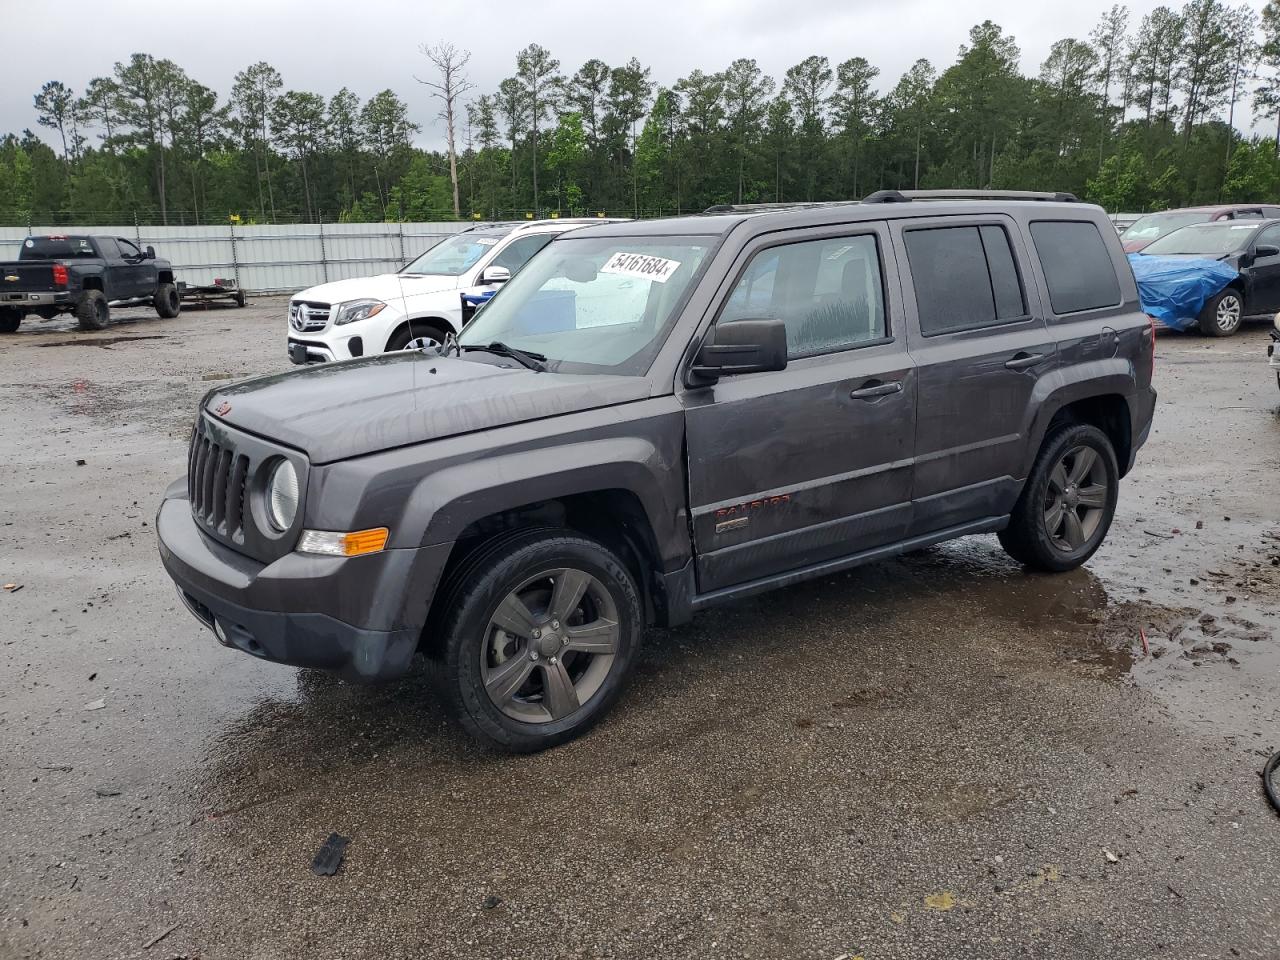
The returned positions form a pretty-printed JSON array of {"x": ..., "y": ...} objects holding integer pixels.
[{"x": 100, "y": 341}]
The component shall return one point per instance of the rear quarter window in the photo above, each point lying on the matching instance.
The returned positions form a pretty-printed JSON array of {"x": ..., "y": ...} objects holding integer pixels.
[{"x": 1078, "y": 268}]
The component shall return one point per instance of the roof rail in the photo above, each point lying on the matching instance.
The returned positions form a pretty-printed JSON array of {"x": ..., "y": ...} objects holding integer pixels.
[
  {"x": 762, "y": 207},
  {"x": 905, "y": 196}
]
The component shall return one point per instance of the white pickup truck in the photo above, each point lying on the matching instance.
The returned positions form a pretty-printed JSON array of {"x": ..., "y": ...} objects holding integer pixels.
[{"x": 423, "y": 302}]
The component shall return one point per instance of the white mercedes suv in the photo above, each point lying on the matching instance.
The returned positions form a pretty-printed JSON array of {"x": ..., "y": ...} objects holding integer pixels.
[{"x": 424, "y": 301}]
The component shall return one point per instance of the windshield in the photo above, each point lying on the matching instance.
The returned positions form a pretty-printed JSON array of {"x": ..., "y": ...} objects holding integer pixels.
[
  {"x": 1208, "y": 239},
  {"x": 1156, "y": 225},
  {"x": 454, "y": 256},
  {"x": 593, "y": 305}
]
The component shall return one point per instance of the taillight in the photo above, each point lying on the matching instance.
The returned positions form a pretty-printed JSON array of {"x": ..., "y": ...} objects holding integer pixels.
[{"x": 59, "y": 274}]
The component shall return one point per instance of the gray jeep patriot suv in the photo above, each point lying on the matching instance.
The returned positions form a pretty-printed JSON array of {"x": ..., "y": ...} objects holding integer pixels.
[{"x": 655, "y": 417}]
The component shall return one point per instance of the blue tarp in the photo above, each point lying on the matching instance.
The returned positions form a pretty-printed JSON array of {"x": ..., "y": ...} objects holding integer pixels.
[{"x": 1174, "y": 290}]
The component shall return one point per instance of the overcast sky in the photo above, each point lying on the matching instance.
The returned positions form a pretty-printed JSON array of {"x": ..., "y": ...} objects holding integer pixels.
[{"x": 370, "y": 45}]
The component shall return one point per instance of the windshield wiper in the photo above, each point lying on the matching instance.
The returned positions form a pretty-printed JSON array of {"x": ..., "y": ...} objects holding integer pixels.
[{"x": 533, "y": 361}]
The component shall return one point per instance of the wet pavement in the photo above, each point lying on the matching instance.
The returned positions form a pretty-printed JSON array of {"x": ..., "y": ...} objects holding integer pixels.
[{"x": 935, "y": 757}]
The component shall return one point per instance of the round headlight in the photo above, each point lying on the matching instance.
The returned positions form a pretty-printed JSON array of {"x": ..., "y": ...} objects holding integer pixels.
[{"x": 282, "y": 495}]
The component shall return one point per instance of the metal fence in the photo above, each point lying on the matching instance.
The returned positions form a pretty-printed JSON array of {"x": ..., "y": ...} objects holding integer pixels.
[{"x": 267, "y": 259}]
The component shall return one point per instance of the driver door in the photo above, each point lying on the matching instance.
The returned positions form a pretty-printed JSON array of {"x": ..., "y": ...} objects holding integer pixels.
[
  {"x": 1264, "y": 274},
  {"x": 134, "y": 270}
]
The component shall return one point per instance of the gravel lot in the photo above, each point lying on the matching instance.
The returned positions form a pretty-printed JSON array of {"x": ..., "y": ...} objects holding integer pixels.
[{"x": 935, "y": 757}]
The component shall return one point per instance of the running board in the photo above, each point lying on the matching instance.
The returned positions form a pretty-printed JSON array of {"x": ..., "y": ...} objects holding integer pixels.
[{"x": 751, "y": 588}]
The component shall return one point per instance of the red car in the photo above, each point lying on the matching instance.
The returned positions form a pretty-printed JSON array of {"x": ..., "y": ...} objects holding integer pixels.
[{"x": 1153, "y": 226}]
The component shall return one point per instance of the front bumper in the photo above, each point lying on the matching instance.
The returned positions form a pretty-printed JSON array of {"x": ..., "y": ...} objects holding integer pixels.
[{"x": 360, "y": 617}]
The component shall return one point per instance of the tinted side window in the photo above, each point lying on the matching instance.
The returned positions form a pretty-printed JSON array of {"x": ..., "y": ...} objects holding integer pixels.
[
  {"x": 518, "y": 252},
  {"x": 828, "y": 293},
  {"x": 109, "y": 249},
  {"x": 1270, "y": 235},
  {"x": 1077, "y": 265},
  {"x": 964, "y": 277},
  {"x": 127, "y": 249}
]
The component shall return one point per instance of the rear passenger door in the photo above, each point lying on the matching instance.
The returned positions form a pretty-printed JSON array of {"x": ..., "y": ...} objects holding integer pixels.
[
  {"x": 791, "y": 468},
  {"x": 980, "y": 346}
]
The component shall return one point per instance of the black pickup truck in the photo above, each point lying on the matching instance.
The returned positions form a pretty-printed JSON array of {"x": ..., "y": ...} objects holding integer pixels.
[{"x": 83, "y": 275}]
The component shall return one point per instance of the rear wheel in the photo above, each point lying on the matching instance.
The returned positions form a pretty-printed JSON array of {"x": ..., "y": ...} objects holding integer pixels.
[
  {"x": 92, "y": 310},
  {"x": 168, "y": 303},
  {"x": 417, "y": 334},
  {"x": 1222, "y": 314},
  {"x": 539, "y": 635},
  {"x": 1068, "y": 502},
  {"x": 10, "y": 319}
]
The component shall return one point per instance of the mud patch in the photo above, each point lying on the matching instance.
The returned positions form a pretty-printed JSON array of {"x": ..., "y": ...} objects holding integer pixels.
[{"x": 104, "y": 342}]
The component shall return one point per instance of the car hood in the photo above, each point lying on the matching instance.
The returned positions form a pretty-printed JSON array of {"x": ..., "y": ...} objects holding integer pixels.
[
  {"x": 388, "y": 287},
  {"x": 338, "y": 410}
]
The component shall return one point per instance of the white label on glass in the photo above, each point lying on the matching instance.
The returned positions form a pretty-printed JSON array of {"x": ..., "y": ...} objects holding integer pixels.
[{"x": 642, "y": 266}]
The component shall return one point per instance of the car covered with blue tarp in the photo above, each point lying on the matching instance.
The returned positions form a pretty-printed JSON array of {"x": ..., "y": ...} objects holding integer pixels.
[{"x": 1211, "y": 275}]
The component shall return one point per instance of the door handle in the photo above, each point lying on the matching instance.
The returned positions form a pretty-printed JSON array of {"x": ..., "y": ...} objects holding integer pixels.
[
  {"x": 1021, "y": 361},
  {"x": 875, "y": 390}
]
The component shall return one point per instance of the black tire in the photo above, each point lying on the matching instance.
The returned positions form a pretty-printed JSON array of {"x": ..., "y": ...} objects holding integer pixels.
[
  {"x": 167, "y": 301},
  {"x": 471, "y": 599},
  {"x": 92, "y": 310},
  {"x": 240, "y": 298},
  {"x": 10, "y": 319},
  {"x": 1027, "y": 538},
  {"x": 1212, "y": 324},
  {"x": 414, "y": 330}
]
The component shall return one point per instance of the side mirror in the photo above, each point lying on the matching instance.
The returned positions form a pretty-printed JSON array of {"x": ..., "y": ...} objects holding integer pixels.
[
  {"x": 742, "y": 346},
  {"x": 1265, "y": 250},
  {"x": 495, "y": 275},
  {"x": 151, "y": 253}
]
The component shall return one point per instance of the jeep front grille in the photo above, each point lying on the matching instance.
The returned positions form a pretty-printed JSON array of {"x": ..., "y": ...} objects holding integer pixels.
[
  {"x": 308, "y": 317},
  {"x": 216, "y": 477}
]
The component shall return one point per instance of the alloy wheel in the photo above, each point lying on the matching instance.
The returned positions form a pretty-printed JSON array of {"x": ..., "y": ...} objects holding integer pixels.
[
  {"x": 549, "y": 645},
  {"x": 1228, "y": 313},
  {"x": 1076, "y": 499}
]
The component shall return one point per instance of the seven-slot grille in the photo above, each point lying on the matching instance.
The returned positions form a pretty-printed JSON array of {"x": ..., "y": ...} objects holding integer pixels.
[
  {"x": 216, "y": 478},
  {"x": 305, "y": 317}
]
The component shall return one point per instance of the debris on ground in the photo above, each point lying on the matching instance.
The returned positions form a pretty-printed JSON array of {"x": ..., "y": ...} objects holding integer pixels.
[
  {"x": 941, "y": 901},
  {"x": 159, "y": 936},
  {"x": 13, "y": 587},
  {"x": 106, "y": 791},
  {"x": 329, "y": 857},
  {"x": 490, "y": 902},
  {"x": 95, "y": 704},
  {"x": 1111, "y": 857},
  {"x": 219, "y": 375}
]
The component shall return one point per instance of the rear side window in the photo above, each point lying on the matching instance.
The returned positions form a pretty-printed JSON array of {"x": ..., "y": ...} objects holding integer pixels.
[
  {"x": 964, "y": 278},
  {"x": 1077, "y": 266}
]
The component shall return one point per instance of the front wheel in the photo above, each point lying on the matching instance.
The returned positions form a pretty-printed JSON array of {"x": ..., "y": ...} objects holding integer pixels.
[
  {"x": 415, "y": 335},
  {"x": 167, "y": 302},
  {"x": 1068, "y": 502},
  {"x": 10, "y": 319},
  {"x": 539, "y": 635},
  {"x": 1222, "y": 314}
]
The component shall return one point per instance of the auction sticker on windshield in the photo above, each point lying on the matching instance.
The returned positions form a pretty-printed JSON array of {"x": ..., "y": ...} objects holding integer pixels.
[{"x": 641, "y": 265}]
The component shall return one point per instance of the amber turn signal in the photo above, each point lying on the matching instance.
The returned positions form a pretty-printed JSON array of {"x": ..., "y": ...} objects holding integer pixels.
[{"x": 333, "y": 544}]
